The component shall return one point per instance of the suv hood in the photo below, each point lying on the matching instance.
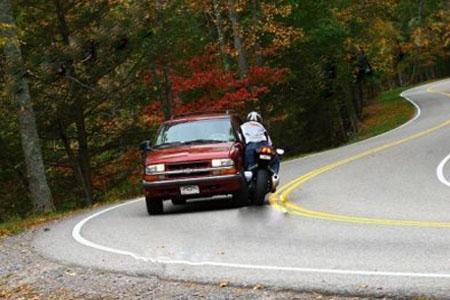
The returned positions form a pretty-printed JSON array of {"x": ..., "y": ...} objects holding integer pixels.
[{"x": 189, "y": 153}]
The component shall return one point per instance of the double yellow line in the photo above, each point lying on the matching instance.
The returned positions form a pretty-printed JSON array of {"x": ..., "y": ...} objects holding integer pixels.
[{"x": 280, "y": 199}]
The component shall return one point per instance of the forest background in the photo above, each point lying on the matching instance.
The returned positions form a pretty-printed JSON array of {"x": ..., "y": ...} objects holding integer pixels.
[{"x": 86, "y": 81}]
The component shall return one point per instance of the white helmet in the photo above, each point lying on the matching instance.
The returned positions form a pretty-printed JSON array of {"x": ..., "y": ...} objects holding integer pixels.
[{"x": 254, "y": 116}]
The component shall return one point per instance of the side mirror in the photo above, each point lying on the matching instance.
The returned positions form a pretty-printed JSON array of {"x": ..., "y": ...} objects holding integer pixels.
[
  {"x": 280, "y": 151},
  {"x": 146, "y": 146}
]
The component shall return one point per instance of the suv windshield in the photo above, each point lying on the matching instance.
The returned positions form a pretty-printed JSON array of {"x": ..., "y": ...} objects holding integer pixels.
[{"x": 196, "y": 132}]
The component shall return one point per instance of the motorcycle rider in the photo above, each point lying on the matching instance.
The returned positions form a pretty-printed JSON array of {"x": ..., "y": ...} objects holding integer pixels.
[{"x": 256, "y": 136}]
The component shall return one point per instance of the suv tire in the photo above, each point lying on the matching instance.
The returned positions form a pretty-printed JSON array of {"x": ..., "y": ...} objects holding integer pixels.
[
  {"x": 154, "y": 206},
  {"x": 241, "y": 198}
]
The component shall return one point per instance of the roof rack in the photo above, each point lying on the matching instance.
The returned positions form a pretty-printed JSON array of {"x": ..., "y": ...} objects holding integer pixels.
[{"x": 199, "y": 113}]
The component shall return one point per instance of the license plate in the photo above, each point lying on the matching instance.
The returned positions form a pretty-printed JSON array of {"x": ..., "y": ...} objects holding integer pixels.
[{"x": 190, "y": 190}]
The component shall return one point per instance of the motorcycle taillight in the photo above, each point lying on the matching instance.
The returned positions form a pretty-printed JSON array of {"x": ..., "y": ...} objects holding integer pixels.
[{"x": 265, "y": 150}]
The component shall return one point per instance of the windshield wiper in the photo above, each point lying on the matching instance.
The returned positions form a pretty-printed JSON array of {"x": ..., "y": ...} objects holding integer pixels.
[
  {"x": 203, "y": 141},
  {"x": 193, "y": 142},
  {"x": 164, "y": 145}
]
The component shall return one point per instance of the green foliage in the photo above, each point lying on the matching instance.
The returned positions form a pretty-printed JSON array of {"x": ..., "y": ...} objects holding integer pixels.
[{"x": 101, "y": 73}]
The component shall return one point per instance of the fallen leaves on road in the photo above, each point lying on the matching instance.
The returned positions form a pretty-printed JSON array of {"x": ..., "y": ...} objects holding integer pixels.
[
  {"x": 70, "y": 273},
  {"x": 25, "y": 291},
  {"x": 17, "y": 225}
]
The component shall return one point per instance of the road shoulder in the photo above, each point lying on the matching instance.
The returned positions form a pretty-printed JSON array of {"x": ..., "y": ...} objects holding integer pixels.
[{"x": 24, "y": 274}]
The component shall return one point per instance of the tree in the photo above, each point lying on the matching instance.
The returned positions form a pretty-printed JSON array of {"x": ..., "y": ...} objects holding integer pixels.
[
  {"x": 84, "y": 59},
  {"x": 205, "y": 87},
  {"x": 238, "y": 45},
  {"x": 218, "y": 22},
  {"x": 103, "y": 75},
  {"x": 19, "y": 92}
]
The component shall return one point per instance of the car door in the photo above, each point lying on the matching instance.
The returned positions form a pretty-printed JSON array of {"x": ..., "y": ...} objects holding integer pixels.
[{"x": 240, "y": 143}]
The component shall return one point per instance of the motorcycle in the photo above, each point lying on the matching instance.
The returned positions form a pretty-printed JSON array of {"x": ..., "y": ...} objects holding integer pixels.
[{"x": 262, "y": 178}]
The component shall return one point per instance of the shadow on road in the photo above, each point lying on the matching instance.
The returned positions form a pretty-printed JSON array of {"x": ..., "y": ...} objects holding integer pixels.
[{"x": 207, "y": 205}]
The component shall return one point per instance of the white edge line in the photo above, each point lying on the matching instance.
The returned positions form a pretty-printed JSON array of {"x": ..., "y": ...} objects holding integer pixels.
[
  {"x": 440, "y": 171},
  {"x": 440, "y": 168},
  {"x": 76, "y": 234}
]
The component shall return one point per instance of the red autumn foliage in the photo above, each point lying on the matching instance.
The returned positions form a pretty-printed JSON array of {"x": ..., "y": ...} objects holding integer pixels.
[
  {"x": 204, "y": 86},
  {"x": 128, "y": 162}
]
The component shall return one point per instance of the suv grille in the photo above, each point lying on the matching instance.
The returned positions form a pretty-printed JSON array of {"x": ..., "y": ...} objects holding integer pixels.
[
  {"x": 184, "y": 166},
  {"x": 189, "y": 169}
]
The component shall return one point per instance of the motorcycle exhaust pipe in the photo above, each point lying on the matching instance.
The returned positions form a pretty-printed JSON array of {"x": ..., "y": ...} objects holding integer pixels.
[{"x": 275, "y": 182}]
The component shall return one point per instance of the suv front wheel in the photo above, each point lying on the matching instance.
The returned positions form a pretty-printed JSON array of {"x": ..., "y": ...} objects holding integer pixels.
[
  {"x": 154, "y": 206},
  {"x": 241, "y": 198}
]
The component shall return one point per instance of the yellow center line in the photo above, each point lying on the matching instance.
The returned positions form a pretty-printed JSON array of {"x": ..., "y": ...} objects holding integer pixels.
[{"x": 280, "y": 200}]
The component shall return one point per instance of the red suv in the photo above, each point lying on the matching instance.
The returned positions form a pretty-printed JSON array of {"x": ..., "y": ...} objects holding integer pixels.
[{"x": 193, "y": 157}]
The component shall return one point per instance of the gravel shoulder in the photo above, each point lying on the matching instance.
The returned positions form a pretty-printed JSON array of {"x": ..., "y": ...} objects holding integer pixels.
[{"x": 24, "y": 274}]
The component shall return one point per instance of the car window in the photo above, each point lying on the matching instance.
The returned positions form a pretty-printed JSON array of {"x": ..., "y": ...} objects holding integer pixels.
[{"x": 196, "y": 132}]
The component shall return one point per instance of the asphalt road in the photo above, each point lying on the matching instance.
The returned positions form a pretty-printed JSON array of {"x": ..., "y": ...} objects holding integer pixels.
[{"x": 371, "y": 218}]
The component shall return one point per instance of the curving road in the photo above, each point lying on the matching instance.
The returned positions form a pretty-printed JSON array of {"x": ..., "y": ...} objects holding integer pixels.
[{"x": 371, "y": 218}]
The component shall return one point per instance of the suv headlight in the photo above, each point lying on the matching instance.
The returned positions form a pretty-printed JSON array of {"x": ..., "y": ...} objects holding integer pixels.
[
  {"x": 222, "y": 163},
  {"x": 151, "y": 169}
]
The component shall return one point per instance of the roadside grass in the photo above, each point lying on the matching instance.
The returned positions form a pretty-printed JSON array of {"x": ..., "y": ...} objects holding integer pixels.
[
  {"x": 387, "y": 112},
  {"x": 15, "y": 225}
]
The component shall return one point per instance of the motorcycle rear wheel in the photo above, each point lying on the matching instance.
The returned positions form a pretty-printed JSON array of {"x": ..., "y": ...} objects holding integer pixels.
[{"x": 261, "y": 186}]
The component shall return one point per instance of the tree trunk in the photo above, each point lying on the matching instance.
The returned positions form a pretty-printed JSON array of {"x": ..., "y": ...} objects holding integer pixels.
[
  {"x": 76, "y": 167},
  {"x": 357, "y": 102},
  {"x": 400, "y": 79},
  {"x": 158, "y": 7},
  {"x": 421, "y": 9},
  {"x": 255, "y": 19},
  {"x": 167, "y": 100},
  {"x": 19, "y": 92},
  {"x": 219, "y": 26},
  {"x": 83, "y": 153},
  {"x": 413, "y": 74},
  {"x": 84, "y": 163},
  {"x": 242, "y": 61},
  {"x": 350, "y": 118},
  {"x": 361, "y": 98},
  {"x": 166, "y": 97}
]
